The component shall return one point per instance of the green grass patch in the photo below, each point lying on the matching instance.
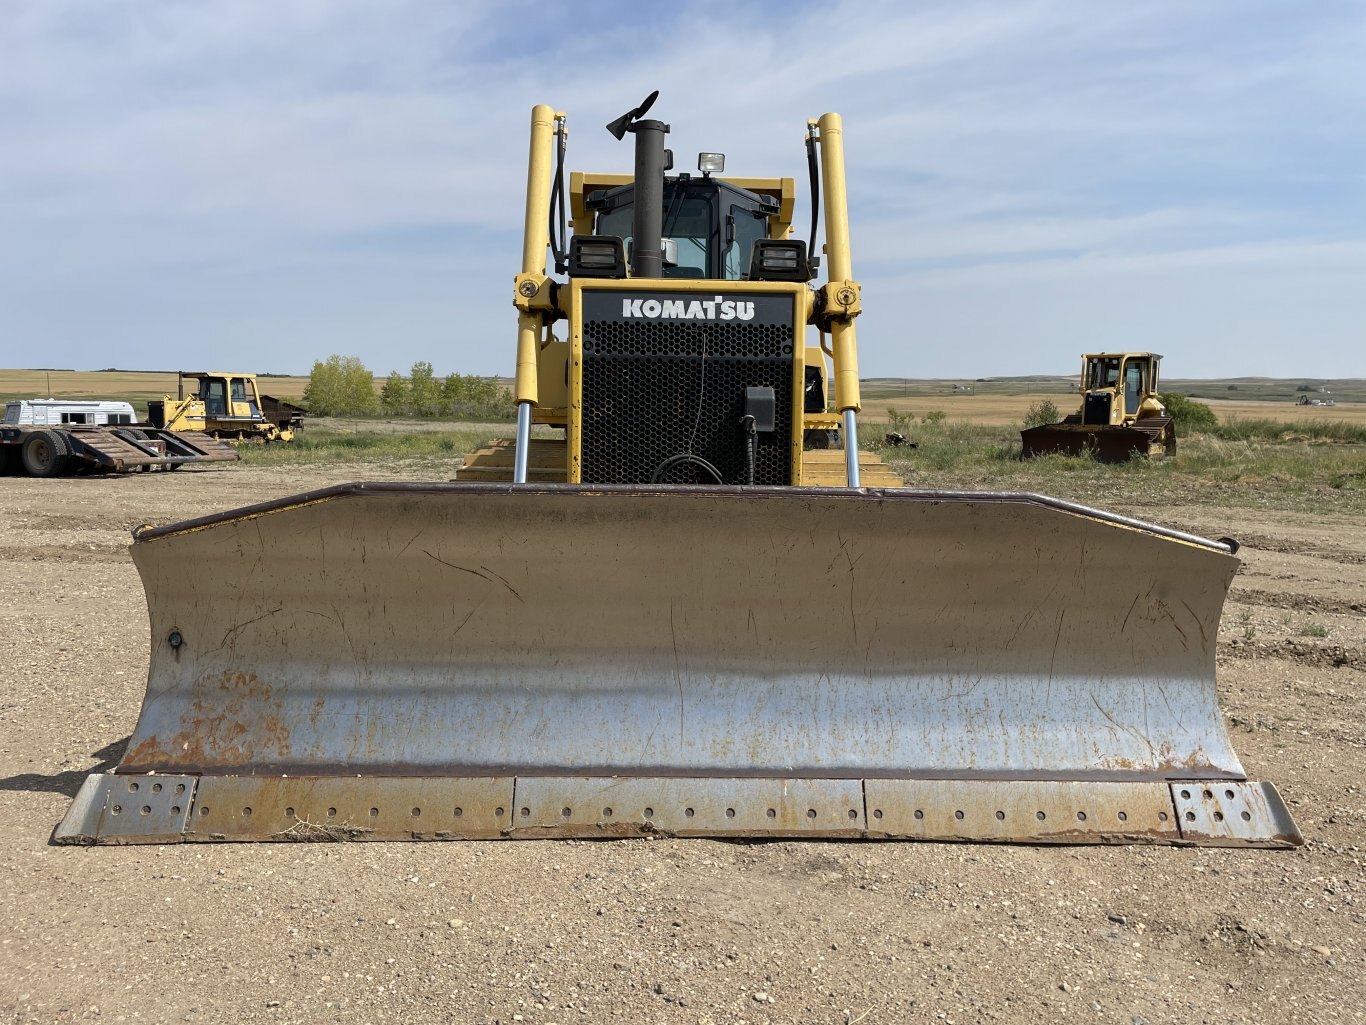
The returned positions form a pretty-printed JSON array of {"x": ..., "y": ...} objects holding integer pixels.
[
  {"x": 1251, "y": 429},
  {"x": 318, "y": 446},
  {"x": 1290, "y": 470}
]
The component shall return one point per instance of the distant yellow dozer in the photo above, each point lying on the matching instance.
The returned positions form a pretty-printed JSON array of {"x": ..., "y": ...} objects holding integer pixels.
[
  {"x": 682, "y": 610},
  {"x": 1121, "y": 414},
  {"x": 225, "y": 405}
]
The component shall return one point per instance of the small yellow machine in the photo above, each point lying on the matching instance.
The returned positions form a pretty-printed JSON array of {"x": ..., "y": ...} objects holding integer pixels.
[
  {"x": 675, "y": 613},
  {"x": 1121, "y": 414},
  {"x": 225, "y": 405}
]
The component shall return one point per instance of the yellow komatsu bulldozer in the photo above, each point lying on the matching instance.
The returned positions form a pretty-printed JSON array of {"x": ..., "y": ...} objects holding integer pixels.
[
  {"x": 225, "y": 405},
  {"x": 1121, "y": 413},
  {"x": 664, "y": 619}
]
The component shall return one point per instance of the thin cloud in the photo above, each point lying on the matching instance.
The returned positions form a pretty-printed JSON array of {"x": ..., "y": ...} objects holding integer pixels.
[{"x": 292, "y": 180}]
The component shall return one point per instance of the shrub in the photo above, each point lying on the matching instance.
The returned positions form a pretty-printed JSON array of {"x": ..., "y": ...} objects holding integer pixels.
[
  {"x": 340, "y": 386},
  {"x": 934, "y": 416},
  {"x": 1042, "y": 412},
  {"x": 1188, "y": 416},
  {"x": 480, "y": 398},
  {"x": 898, "y": 421},
  {"x": 423, "y": 389},
  {"x": 394, "y": 395}
]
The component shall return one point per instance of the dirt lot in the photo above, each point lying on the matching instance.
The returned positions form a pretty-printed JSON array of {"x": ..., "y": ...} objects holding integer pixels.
[{"x": 666, "y": 930}]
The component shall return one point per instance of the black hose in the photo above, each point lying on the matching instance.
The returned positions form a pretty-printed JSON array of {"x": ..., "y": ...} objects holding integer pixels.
[
  {"x": 558, "y": 242},
  {"x": 751, "y": 446},
  {"x": 814, "y": 168},
  {"x": 685, "y": 457}
]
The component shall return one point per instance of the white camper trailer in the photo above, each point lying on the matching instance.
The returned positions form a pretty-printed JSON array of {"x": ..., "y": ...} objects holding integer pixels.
[{"x": 60, "y": 412}]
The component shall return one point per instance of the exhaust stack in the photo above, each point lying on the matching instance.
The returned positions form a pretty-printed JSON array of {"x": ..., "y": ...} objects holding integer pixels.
[{"x": 647, "y": 226}]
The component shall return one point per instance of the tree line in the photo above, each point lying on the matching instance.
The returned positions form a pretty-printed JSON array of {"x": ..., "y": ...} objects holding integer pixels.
[{"x": 343, "y": 386}]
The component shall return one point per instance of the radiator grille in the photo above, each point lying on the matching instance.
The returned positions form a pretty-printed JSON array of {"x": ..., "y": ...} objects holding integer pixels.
[
  {"x": 1096, "y": 408},
  {"x": 656, "y": 388}
]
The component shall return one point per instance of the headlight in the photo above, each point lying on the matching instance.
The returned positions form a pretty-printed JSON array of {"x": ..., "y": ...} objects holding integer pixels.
[
  {"x": 779, "y": 260},
  {"x": 597, "y": 256}
]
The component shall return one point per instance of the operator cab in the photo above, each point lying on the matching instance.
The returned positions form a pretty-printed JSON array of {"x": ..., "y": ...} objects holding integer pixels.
[
  {"x": 709, "y": 228},
  {"x": 1114, "y": 385}
]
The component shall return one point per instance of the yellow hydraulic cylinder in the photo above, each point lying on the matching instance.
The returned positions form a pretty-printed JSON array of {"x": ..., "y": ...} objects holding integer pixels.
[
  {"x": 528, "y": 353},
  {"x": 536, "y": 232},
  {"x": 839, "y": 264},
  {"x": 535, "y": 239}
]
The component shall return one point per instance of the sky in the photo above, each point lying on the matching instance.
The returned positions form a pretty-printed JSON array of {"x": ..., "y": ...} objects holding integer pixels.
[{"x": 259, "y": 184}]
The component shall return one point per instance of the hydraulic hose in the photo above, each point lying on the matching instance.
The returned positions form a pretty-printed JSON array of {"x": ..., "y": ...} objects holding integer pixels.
[
  {"x": 813, "y": 167},
  {"x": 751, "y": 445},
  {"x": 679, "y": 459}
]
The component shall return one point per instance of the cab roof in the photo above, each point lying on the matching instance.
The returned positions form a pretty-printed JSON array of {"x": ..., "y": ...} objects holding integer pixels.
[{"x": 582, "y": 184}]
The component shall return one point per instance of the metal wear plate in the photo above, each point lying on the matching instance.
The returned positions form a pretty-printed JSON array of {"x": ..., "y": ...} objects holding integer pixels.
[
  {"x": 127, "y": 809},
  {"x": 584, "y": 806},
  {"x": 1234, "y": 815},
  {"x": 350, "y": 808},
  {"x": 124, "y": 809},
  {"x": 1021, "y": 811}
]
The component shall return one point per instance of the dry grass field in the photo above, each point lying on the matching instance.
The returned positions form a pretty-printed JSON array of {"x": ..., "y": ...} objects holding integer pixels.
[
  {"x": 995, "y": 403},
  {"x": 1001, "y": 409},
  {"x": 1250, "y": 409},
  {"x": 135, "y": 386}
]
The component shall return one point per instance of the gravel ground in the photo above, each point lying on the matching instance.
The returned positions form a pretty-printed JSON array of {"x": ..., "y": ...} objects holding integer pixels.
[{"x": 666, "y": 930}]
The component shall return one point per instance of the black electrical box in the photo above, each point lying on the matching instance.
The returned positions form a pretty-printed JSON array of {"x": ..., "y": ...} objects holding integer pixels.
[{"x": 761, "y": 404}]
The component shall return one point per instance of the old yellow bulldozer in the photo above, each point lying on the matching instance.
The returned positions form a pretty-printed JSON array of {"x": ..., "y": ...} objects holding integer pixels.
[
  {"x": 1121, "y": 413},
  {"x": 657, "y": 615},
  {"x": 225, "y": 405}
]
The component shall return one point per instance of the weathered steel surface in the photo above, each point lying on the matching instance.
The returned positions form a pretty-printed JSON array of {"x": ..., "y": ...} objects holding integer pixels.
[
  {"x": 1234, "y": 814},
  {"x": 222, "y": 808},
  {"x": 1022, "y": 811},
  {"x": 126, "y": 810},
  {"x": 590, "y": 806},
  {"x": 349, "y": 808},
  {"x": 473, "y": 630}
]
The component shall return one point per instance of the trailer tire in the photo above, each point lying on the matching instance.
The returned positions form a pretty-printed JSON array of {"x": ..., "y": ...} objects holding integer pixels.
[
  {"x": 46, "y": 454},
  {"x": 9, "y": 460}
]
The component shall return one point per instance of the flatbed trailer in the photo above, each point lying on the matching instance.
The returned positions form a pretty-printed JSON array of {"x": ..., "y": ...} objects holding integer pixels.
[{"x": 58, "y": 451}]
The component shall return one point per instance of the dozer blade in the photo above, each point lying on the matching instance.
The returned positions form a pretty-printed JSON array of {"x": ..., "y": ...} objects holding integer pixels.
[
  {"x": 376, "y": 661},
  {"x": 1106, "y": 443}
]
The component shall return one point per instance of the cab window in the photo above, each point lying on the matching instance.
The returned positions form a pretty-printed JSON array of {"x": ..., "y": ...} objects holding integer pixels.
[
  {"x": 713, "y": 237},
  {"x": 1103, "y": 373},
  {"x": 744, "y": 227},
  {"x": 687, "y": 220},
  {"x": 1133, "y": 386},
  {"x": 214, "y": 394}
]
